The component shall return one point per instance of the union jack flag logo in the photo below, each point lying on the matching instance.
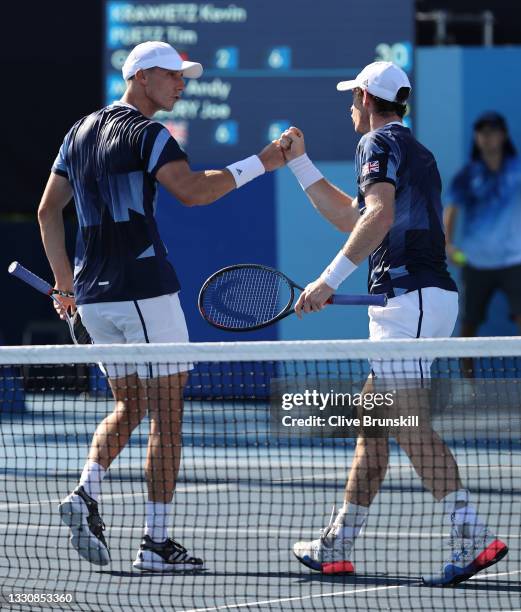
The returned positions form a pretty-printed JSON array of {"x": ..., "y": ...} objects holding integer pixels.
[
  {"x": 179, "y": 131},
  {"x": 373, "y": 166}
]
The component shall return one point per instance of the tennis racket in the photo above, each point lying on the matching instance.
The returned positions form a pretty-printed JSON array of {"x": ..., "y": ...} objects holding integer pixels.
[
  {"x": 78, "y": 332},
  {"x": 245, "y": 297}
]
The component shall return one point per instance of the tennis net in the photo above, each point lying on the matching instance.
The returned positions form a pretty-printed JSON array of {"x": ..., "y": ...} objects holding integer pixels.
[{"x": 260, "y": 472}]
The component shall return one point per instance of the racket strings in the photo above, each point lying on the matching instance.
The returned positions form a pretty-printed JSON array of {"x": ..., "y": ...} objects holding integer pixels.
[
  {"x": 269, "y": 289},
  {"x": 243, "y": 297}
]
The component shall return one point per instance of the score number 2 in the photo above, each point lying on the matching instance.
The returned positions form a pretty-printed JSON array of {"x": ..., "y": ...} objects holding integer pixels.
[{"x": 227, "y": 58}]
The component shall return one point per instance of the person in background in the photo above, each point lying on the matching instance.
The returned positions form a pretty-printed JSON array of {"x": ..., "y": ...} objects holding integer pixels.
[{"x": 487, "y": 190}]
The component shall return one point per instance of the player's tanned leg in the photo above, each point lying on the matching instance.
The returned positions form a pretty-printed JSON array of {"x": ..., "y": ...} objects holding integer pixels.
[
  {"x": 112, "y": 434},
  {"x": 79, "y": 510},
  {"x": 430, "y": 456},
  {"x": 367, "y": 470},
  {"x": 369, "y": 464},
  {"x": 164, "y": 443},
  {"x": 162, "y": 399},
  {"x": 158, "y": 552}
]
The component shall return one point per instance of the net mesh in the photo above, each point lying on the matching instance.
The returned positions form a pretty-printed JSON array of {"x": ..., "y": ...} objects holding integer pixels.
[{"x": 253, "y": 483}]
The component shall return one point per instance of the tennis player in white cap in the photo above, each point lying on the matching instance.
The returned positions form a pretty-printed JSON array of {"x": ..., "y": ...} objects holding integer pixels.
[
  {"x": 396, "y": 221},
  {"x": 125, "y": 288}
]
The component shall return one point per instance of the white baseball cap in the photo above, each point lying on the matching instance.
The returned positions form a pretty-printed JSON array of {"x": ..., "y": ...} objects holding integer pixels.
[
  {"x": 382, "y": 79},
  {"x": 156, "y": 54}
]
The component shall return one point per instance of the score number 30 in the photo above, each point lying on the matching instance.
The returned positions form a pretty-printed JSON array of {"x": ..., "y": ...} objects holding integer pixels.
[{"x": 399, "y": 53}]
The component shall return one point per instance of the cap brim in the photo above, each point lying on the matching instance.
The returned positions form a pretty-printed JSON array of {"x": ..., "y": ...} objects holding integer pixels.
[
  {"x": 496, "y": 125},
  {"x": 192, "y": 70},
  {"x": 347, "y": 85}
]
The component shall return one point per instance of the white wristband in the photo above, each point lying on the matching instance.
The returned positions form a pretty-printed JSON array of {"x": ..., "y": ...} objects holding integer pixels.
[
  {"x": 337, "y": 271},
  {"x": 246, "y": 170},
  {"x": 305, "y": 171}
]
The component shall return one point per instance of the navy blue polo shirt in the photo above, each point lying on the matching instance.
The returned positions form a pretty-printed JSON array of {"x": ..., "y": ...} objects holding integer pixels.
[
  {"x": 111, "y": 158},
  {"x": 412, "y": 254},
  {"x": 491, "y": 205}
]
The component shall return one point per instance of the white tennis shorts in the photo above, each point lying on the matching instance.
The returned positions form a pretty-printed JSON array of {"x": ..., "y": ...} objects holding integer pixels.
[
  {"x": 157, "y": 319},
  {"x": 425, "y": 313}
]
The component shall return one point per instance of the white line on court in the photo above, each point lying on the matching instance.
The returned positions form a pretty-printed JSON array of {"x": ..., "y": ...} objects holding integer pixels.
[
  {"x": 193, "y": 488},
  {"x": 268, "y": 602},
  {"x": 498, "y": 575},
  {"x": 426, "y": 535},
  {"x": 181, "y": 489},
  {"x": 312, "y": 476}
]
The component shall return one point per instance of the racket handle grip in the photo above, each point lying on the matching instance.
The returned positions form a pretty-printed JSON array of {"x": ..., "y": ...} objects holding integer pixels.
[
  {"x": 31, "y": 279},
  {"x": 359, "y": 300}
]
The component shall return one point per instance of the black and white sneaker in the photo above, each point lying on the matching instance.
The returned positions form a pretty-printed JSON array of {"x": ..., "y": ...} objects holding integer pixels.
[
  {"x": 80, "y": 513},
  {"x": 167, "y": 556}
]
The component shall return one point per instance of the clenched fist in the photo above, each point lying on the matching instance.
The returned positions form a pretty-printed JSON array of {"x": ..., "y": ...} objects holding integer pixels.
[
  {"x": 292, "y": 143},
  {"x": 272, "y": 157}
]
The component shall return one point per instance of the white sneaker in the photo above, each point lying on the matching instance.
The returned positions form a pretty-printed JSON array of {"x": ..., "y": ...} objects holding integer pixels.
[
  {"x": 80, "y": 513},
  {"x": 469, "y": 555},
  {"x": 167, "y": 556},
  {"x": 328, "y": 554}
]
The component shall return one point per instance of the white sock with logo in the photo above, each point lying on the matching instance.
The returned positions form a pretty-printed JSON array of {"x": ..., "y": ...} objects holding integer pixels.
[
  {"x": 158, "y": 520},
  {"x": 351, "y": 519},
  {"x": 462, "y": 514},
  {"x": 91, "y": 479}
]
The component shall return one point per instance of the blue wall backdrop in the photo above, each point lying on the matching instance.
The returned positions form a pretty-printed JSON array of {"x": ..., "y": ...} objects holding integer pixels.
[
  {"x": 240, "y": 228},
  {"x": 306, "y": 244},
  {"x": 454, "y": 86}
]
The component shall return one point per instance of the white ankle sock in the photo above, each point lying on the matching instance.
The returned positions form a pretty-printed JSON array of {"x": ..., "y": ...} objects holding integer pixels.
[
  {"x": 91, "y": 479},
  {"x": 158, "y": 520},
  {"x": 461, "y": 513},
  {"x": 351, "y": 519}
]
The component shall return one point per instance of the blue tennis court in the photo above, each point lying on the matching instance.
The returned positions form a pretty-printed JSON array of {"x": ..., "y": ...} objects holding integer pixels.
[{"x": 240, "y": 506}]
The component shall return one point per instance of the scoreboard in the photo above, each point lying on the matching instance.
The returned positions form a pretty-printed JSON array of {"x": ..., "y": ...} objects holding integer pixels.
[{"x": 268, "y": 64}]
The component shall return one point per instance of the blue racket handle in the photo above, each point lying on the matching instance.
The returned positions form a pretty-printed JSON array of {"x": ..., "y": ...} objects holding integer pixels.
[
  {"x": 359, "y": 300},
  {"x": 23, "y": 274}
]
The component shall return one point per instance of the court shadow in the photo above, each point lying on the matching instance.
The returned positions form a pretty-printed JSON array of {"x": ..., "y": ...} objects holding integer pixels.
[
  {"x": 378, "y": 579},
  {"x": 367, "y": 579},
  {"x": 145, "y": 575},
  {"x": 359, "y": 579},
  {"x": 503, "y": 586}
]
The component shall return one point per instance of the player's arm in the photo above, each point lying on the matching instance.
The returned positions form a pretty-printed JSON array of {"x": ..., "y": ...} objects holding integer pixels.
[
  {"x": 332, "y": 203},
  {"x": 450, "y": 216},
  {"x": 57, "y": 194},
  {"x": 374, "y": 224},
  {"x": 204, "y": 187},
  {"x": 367, "y": 235},
  {"x": 457, "y": 198}
]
